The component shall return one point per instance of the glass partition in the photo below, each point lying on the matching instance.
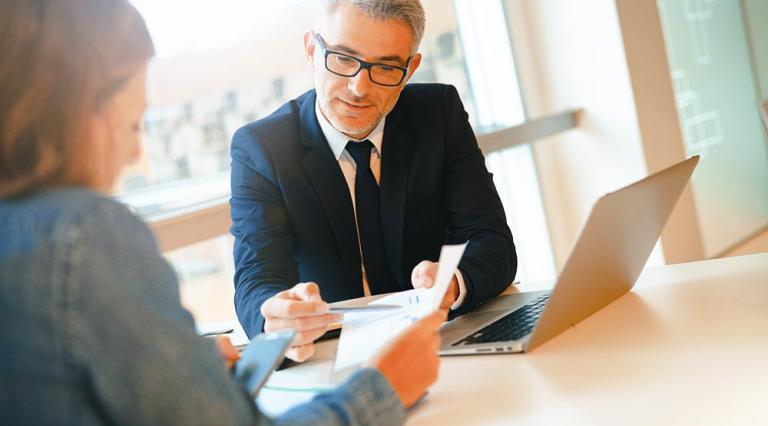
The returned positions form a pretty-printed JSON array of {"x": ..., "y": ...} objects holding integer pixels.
[{"x": 717, "y": 55}]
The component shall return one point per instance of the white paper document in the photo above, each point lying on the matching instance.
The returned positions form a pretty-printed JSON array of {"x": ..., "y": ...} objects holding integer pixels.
[{"x": 365, "y": 333}]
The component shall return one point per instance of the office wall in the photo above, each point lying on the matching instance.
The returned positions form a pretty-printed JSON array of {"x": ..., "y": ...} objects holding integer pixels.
[
  {"x": 570, "y": 54},
  {"x": 758, "y": 244}
]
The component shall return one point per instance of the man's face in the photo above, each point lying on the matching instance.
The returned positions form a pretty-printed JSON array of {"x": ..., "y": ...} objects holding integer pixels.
[{"x": 356, "y": 105}]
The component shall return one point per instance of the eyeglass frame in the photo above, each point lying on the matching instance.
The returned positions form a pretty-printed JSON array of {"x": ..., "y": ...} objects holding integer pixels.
[{"x": 361, "y": 64}]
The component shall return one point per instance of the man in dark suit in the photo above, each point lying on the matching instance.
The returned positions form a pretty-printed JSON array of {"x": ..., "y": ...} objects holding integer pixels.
[{"x": 352, "y": 188}]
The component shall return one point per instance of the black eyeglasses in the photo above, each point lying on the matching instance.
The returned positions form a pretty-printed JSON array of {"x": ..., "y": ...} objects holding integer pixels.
[{"x": 349, "y": 66}]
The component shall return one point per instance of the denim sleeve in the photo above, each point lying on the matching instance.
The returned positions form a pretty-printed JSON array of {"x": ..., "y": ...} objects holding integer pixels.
[
  {"x": 135, "y": 346},
  {"x": 366, "y": 398},
  {"x": 139, "y": 357}
]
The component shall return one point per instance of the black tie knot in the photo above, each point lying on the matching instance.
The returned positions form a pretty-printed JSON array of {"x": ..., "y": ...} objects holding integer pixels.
[{"x": 361, "y": 152}]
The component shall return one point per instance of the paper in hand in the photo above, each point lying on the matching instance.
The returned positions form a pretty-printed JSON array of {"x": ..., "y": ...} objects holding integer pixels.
[
  {"x": 364, "y": 334},
  {"x": 450, "y": 256}
]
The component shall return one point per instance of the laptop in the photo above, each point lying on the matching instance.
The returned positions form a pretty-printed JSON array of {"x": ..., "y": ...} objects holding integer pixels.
[{"x": 609, "y": 255}]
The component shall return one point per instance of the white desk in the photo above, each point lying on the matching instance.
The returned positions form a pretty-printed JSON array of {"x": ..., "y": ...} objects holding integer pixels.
[{"x": 689, "y": 345}]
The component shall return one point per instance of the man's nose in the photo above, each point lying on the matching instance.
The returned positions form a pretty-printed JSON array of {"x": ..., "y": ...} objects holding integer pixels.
[{"x": 360, "y": 84}]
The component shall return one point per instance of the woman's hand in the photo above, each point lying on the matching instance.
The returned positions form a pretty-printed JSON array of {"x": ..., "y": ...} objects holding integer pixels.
[
  {"x": 410, "y": 362},
  {"x": 228, "y": 353}
]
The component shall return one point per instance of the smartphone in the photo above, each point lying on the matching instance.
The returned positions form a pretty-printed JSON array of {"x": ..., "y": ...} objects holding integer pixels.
[{"x": 260, "y": 358}]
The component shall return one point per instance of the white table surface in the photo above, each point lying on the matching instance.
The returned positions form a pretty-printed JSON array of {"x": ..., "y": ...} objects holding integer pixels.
[{"x": 688, "y": 345}]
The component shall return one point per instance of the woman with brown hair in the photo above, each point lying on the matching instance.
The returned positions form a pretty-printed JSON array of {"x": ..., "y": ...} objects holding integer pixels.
[{"x": 93, "y": 331}]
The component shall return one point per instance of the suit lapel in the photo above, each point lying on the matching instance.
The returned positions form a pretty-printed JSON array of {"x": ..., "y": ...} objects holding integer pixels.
[
  {"x": 326, "y": 178},
  {"x": 395, "y": 168}
]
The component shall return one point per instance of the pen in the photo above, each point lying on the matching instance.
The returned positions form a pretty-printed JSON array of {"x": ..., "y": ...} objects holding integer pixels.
[
  {"x": 217, "y": 332},
  {"x": 366, "y": 308}
]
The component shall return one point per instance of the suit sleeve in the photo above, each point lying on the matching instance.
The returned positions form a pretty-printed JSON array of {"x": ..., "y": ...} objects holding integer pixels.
[
  {"x": 264, "y": 264},
  {"x": 474, "y": 211}
]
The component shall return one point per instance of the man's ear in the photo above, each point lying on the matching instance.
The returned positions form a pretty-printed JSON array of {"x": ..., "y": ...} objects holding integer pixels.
[
  {"x": 413, "y": 66},
  {"x": 309, "y": 47}
]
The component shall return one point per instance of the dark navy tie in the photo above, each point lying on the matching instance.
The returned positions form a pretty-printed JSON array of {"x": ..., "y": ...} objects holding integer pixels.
[{"x": 368, "y": 208}]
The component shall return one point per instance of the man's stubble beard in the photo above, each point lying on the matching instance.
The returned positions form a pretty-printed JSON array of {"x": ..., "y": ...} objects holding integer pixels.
[{"x": 336, "y": 121}]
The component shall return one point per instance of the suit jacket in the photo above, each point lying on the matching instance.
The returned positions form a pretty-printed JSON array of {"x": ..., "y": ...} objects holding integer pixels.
[{"x": 292, "y": 213}]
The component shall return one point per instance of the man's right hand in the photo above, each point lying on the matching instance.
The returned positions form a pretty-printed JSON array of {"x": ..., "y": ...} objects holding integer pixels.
[{"x": 303, "y": 310}]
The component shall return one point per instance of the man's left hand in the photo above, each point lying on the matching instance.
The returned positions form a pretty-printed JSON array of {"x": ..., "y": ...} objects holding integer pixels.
[{"x": 423, "y": 276}]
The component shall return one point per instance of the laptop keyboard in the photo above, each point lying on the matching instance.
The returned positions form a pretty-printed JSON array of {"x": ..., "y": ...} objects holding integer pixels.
[{"x": 513, "y": 326}]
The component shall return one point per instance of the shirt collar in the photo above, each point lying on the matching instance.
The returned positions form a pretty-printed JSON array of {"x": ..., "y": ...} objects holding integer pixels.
[{"x": 338, "y": 141}]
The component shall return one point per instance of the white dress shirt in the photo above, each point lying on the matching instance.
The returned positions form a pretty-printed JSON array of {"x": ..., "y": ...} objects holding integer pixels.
[{"x": 338, "y": 144}]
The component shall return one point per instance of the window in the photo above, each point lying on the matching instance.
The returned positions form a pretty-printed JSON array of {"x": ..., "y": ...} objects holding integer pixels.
[
  {"x": 498, "y": 99},
  {"x": 206, "y": 272},
  {"x": 224, "y": 64}
]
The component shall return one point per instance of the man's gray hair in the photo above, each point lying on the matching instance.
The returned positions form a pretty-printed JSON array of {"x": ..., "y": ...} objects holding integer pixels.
[{"x": 409, "y": 12}]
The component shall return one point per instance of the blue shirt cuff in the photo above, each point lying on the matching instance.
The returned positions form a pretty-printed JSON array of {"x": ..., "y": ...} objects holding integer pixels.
[{"x": 366, "y": 398}]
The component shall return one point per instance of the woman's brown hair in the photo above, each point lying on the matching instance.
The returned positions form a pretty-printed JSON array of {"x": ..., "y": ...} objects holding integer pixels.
[{"x": 62, "y": 61}]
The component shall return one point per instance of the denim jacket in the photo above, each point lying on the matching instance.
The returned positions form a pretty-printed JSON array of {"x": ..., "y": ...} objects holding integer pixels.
[{"x": 92, "y": 331}]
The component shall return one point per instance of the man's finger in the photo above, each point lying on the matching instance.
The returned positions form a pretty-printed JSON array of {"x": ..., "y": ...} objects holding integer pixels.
[
  {"x": 276, "y": 307},
  {"x": 300, "y": 353},
  {"x": 307, "y": 337},
  {"x": 306, "y": 291},
  {"x": 300, "y": 324},
  {"x": 423, "y": 274}
]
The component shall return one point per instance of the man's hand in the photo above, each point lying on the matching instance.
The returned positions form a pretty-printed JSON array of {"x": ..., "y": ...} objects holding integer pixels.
[
  {"x": 301, "y": 309},
  {"x": 423, "y": 276},
  {"x": 410, "y": 362}
]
